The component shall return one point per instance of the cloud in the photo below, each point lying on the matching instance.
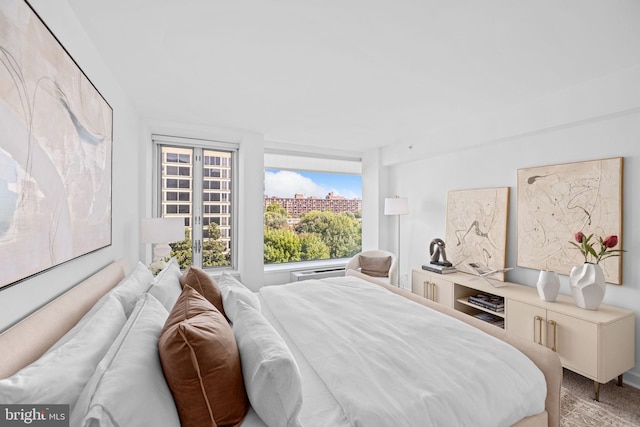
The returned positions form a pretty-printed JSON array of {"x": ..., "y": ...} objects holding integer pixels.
[{"x": 288, "y": 183}]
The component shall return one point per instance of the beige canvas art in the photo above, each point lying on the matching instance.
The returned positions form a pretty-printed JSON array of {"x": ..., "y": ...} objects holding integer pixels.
[
  {"x": 55, "y": 151},
  {"x": 476, "y": 230},
  {"x": 555, "y": 202}
]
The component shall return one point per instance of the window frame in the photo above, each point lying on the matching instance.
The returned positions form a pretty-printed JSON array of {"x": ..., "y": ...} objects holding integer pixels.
[
  {"x": 291, "y": 160},
  {"x": 196, "y": 200}
]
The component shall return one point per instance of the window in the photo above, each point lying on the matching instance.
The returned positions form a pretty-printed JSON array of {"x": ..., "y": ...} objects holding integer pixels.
[
  {"x": 185, "y": 177},
  {"x": 311, "y": 212}
]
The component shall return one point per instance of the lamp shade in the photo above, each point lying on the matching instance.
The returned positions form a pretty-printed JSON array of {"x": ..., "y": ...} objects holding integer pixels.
[
  {"x": 396, "y": 206},
  {"x": 161, "y": 230}
]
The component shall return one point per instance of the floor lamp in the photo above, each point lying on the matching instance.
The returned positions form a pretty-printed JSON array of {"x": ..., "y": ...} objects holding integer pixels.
[{"x": 397, "y": 206}]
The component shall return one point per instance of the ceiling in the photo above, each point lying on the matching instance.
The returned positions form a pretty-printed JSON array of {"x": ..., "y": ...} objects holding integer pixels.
[{"x": 353, "y": 74}]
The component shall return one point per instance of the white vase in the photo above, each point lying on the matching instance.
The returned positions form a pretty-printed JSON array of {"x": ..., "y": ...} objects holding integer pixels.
[
  {"x": 548, "y": 285},
  {"x": 587, "y": 285}
]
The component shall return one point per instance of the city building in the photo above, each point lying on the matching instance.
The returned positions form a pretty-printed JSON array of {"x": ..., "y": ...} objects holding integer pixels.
[
  {"x": 300, "y": 205},
  {"x": 178, "y": 186}
]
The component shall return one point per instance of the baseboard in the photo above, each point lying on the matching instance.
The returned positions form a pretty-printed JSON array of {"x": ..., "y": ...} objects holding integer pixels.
[{"x": 632, "y": 379}]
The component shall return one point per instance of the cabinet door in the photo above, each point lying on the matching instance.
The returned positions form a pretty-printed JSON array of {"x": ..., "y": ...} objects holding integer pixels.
[
  {"x": 441, "y": 290},
  {"x": 432, "y": 286},
  {"x": 576, "y": 342},
  {"x": 419, "y": 281},
  {"x": 526, "y": 321}
]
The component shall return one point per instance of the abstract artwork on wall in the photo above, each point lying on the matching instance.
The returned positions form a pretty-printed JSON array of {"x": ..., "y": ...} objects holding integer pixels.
[
  {"x": 476, "y": 228},
  {"x": 555, "y": 202},
  {"x": 55, "y": 151}
]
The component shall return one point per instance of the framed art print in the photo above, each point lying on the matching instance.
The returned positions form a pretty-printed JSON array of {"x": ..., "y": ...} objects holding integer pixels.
[
  {"x": 557, "y": 201},
  {"x": 476, "y": 230},
  {"x": 55, "y": 151}
]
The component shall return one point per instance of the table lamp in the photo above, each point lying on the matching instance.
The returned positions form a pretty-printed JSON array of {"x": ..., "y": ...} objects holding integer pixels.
[{"x": 160, "y": 232}]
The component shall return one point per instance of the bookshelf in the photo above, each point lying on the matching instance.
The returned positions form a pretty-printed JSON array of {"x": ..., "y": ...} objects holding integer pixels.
[{"x": 476, "y": 307}]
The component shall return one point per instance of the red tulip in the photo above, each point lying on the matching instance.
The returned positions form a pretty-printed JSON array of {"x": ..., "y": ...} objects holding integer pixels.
[
  {"x": 579, "y": 236},
  {"x": 611, "y": 241}
]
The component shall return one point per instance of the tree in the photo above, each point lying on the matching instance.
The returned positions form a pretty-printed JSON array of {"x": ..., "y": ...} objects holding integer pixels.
[
  {"x": 344, "y": 235},
  {"x": 214, "y": 251},
  {"x": 182, "y": 250},
  {"x": 312, "y": 247},
  {"x": 275, "y": 216},
  {"x": 315, "y": 222},
  {"x": 341, "y": 233},
  {"x": 281, "y": 245}
]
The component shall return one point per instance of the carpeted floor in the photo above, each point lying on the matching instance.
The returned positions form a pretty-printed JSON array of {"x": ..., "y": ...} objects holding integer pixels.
[{"x": 618, "y": 406}]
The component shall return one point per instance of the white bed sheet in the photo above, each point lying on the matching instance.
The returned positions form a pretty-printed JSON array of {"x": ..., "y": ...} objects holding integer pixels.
[
  {"x": 319, "y": 407},
  {"x": 316, "y": 311},
  {"x": 252, "y": 420}
]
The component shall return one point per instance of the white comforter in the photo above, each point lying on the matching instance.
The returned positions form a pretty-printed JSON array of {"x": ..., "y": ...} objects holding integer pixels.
[{"x": 391, "y": 362}]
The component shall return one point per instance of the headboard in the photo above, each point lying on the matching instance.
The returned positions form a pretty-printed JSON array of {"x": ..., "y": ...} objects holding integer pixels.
[{"x": 30, "y": 338}]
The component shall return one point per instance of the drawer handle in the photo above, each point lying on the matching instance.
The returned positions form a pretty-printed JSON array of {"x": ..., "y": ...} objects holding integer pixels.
[
  {"x": 427, "y": 289},
  {"x": 555, "y": 334},
  {"x": 430, "y": 290},
  {"x": 539, "y": 320}
]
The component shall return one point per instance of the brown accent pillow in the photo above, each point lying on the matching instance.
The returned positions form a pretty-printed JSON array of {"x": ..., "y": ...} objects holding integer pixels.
[
  {"x": 375, "y": 266},
  {"x": 201, "y": 363},
  {"x": 203, "y": 283}
]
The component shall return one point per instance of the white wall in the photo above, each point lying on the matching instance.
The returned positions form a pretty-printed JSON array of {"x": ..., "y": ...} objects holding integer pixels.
[
  {"x": 592, "y": 121},
  {"x": 26, "y": 296},
  {"x": 371, "y": 205}
]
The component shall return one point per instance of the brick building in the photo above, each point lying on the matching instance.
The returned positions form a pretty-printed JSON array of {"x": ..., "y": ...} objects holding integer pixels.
[{"x": 300, "y": 205}]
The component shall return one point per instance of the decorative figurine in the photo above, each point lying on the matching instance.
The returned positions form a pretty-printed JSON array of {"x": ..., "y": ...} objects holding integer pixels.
[{"x": 436, "y": 250}]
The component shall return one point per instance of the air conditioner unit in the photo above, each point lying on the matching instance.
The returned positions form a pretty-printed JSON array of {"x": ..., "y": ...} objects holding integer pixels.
[{"x": 319, "y": 273}]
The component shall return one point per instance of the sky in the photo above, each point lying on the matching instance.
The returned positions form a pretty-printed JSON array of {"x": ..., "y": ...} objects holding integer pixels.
[{"x": 285, "y": 183}]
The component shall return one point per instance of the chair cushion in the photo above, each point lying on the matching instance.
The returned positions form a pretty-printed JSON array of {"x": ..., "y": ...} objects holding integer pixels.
[{"x": 375, "y": 266}]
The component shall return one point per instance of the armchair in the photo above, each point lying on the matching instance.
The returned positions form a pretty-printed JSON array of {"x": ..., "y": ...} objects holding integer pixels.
[{"x": 355, "y": 264}]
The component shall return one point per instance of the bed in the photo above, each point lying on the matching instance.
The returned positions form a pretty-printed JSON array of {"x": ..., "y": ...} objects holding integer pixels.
[{"x": 346, "y": 351}]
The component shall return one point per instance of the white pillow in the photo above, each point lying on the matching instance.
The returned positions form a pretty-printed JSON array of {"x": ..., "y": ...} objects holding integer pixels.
[
  {"x": 128, "y": 281},
  {"x": 232, "y": 291},
  {"x": 59, "y": 375},
  {"x": 128, "y": 387},
  {"x": 271, "y": 375},
  {"x": 166, "y": 285},
  {"x": 132, "y": 286}
]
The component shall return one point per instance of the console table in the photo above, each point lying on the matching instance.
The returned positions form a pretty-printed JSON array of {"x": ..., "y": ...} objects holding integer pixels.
[{"x": 598, "y": 344}]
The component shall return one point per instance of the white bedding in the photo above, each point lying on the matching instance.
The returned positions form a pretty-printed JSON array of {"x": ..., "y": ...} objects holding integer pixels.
[
  {"x": 395, "y": 362},
  {"x": 319, "y": 407}
]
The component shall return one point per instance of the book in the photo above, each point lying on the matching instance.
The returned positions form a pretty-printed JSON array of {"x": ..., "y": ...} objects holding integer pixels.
[
  {"x": 441, "y": 269},
  {"x": 490, "y": 318},
  {"x": 491, "y": 302},
  {"x": 497, "y": 310},
  {"x": 488, "y": 300}
]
